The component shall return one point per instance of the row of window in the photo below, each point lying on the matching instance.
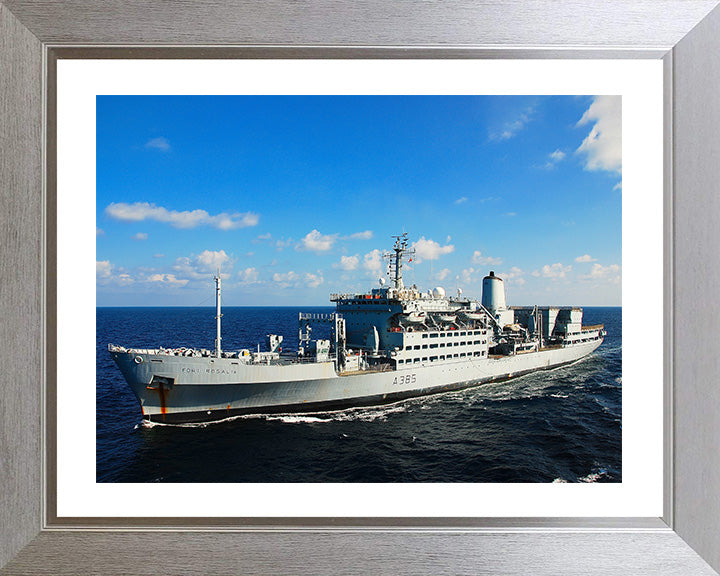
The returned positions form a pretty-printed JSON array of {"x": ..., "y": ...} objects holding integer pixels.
[
  {"x": 438, "y": 358},
  {"x": 452, "y": 333},
  {"x": 442, "y": 345},
  {"x": 582, "y": 340}
]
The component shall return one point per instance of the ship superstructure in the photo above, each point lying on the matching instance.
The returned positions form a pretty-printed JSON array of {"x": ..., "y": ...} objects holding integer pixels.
[{"x": 388, "y": 344}]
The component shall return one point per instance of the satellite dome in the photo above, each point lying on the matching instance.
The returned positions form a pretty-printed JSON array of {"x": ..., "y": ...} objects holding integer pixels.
[{"x": 439, "y": 292}]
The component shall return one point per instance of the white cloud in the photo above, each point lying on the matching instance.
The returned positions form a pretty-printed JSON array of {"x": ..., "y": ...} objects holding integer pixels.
[
  {"x": 585, "y": 258},
  {"x": 461, "y": 200},
  {"x": 262, "y": 238},
  {"x": 105, "y": 274},
  {"x": 316, "y": 242},
  {"x": 366, "y": 235},
  {"x": 511, "y": 128},
  {"x": 293, "y": 279},
  {"x": 618, "y": 186},
  {"x": 610, "y": 273},
  {"x": 444, "y": 273},
  {"x": 466, "y": 276},
  {"x": 285, "y": 279},
  {"x": 554, "y": 271},
  {"x": 513, "y": 276},
  {"x": 554, "y": 158},
  {"x": 139, "y": 211},
  {"x": 99, "y": 231},
  {"x": 510, "y": 214},
  {"x": 313, "y": 280},
  {"x": 430, "y": 250},
  {"x": 158, "y": 143},
  {"x": 348, "y": 262},
  {"x": 282, "y": 243},
  {"x": 204, "y": 265},
  {"x": 140, "y": 236},
  {"x": 248, "y": 276},
  {"x": 478, "y": 258},
  {"x": 602, "y": 147},
  {"x": 158, "y": 255},
  {"x": 372, "y": 261},
  {"x": 168, "y": 279},
  {"x": 103, "y": 268}
]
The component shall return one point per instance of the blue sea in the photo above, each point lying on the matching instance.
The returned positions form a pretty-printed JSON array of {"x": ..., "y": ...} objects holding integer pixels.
[{"x": 564, "y": 425}]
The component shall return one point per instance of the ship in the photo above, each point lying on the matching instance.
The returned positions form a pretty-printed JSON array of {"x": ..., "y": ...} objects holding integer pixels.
[{"x": 385, "y": 345}]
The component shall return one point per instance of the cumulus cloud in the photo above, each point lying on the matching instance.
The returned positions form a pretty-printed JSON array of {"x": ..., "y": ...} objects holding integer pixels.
[
  {"x": 139, "y": 211},
  {"x": 293, "y": 279},
  {"x": 99, "y": 231},
  {"x": 602, "y": 147},
  {"x": 461, "y": 200},
  {"x": 609, "y": 273},
  {"x": 140, "y": 236},
  {"x": 430, "y": 250},
  {"x": 158, "y": 144},
  {"x": 554, "y": 158},
  {"x": 348, "y": 262},
  {"x": 248, "y": 276},
  {"x": 285, "y": 279},
  {"x": 618, "y": 186},
  {"x": 103, "y": 268},
  {"x": 444, "y": 273},
  {"x": 313, "y": 280},
  {"x": 585, "y": 258},
  {"x": 554, "y": 271},
  {"x": 168, "y": 279},
  {"x": 203, "y": 265},
  {"x": 316, "y": 242},
  {"x": 372, "y": 261},
  {"x": 105, "y": 274},
  {"x": 511, "y": 128},
  {"x": 513, "y": 276},
  {"x": 282, "y": 243},
  {"x": 466, "y": 276},
  {"x": 366, "y": 235},
  {"x": 478, "y": 258}
]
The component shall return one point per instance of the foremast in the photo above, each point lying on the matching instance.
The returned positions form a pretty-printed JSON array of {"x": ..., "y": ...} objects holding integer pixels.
[
  {"x": 218, "y": 316},
  {"x": 395, "y": 259}
]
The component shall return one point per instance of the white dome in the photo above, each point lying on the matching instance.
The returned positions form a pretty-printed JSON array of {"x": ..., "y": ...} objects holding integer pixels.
[{"x": 439, "y": 292}]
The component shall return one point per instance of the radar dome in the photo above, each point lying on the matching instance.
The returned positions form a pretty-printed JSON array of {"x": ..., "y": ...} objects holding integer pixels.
[
  {"x": 439, "y": 292},
  {"x": 382, "y": 281}
]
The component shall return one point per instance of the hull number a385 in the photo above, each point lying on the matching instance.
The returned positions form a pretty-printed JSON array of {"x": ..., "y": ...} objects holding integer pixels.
[{"x": 405, "y": 379}]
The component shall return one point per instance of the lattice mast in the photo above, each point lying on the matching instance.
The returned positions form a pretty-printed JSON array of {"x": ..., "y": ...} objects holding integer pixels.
[{"x": 395, "y": 259}]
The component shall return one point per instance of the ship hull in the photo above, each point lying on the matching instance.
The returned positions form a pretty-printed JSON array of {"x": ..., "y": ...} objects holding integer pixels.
[{"x": 177, "y": 389}]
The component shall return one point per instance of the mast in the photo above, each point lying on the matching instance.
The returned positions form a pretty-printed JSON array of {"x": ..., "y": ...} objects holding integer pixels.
[
  {"x": 395, "y": 259},
  {"x": 218, "y": 316}
]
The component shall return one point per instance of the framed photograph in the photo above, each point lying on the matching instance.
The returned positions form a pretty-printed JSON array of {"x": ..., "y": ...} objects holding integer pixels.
[{"x": 96, "y": 133}]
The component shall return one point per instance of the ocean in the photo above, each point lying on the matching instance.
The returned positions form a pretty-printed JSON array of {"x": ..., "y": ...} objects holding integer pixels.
[{"x": 563, "y": 425}]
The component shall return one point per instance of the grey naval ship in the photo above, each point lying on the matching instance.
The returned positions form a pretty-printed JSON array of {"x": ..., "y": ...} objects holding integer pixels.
[{"x": 391, "y": 343}]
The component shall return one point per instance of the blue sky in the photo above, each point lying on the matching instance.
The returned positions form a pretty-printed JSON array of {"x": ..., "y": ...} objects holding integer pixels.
[{"x": 297, "y": 197}]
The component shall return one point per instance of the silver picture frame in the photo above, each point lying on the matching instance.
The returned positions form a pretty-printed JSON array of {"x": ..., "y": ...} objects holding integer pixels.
[{"x": 685, "y": 34}]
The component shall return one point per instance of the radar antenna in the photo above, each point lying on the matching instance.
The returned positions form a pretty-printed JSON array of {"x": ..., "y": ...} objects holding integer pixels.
[{"x": 395, "y": 259}]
